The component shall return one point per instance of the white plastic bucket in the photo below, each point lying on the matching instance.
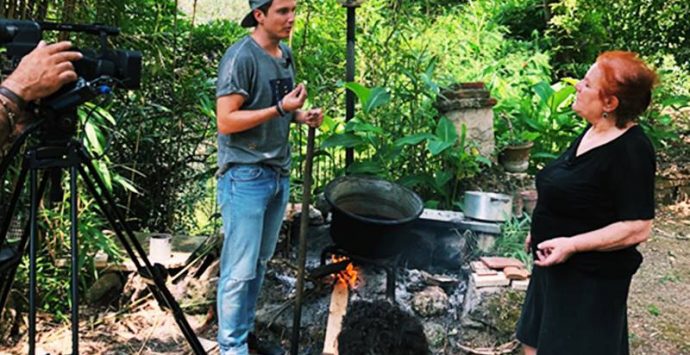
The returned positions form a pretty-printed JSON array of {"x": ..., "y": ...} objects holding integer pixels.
[{"x": 159, "y": 248}]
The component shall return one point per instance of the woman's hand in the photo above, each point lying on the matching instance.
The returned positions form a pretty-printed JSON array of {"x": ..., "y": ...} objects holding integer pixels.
[{"x": 555, "y": 251}]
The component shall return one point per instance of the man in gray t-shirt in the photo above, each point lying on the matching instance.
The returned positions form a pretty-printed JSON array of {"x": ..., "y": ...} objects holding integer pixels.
[{"x": 256, "y": 101}]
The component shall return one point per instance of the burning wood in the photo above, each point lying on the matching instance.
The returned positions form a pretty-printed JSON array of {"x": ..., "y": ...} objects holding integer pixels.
[
  {"x": 348, "y": 276},
  {"x": 345, "y": 280}
]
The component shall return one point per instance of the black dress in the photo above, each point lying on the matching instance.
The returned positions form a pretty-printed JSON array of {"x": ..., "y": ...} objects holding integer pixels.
[{"x": 580, "y": 306}]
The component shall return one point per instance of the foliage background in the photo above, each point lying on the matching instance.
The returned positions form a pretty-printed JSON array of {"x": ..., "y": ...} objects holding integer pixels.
[{"x": 159, "y": 155}]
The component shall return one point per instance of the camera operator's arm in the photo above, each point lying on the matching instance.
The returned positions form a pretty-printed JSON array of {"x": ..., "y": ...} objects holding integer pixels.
[{"x": 39, "y": 74}]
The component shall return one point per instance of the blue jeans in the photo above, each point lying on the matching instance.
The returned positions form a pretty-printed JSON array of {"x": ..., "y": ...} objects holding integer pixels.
[{"x": 252, "y": 199}]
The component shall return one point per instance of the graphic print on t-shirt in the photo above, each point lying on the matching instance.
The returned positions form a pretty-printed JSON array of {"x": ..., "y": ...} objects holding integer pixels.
[{"x": 280, "y": 88}]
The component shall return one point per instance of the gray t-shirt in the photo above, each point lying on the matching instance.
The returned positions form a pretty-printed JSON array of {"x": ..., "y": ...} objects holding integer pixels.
[{"x": 248, "y": 70}]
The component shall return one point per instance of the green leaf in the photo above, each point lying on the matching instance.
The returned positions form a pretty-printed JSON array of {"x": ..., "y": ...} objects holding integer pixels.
[
  {"x": 560, "y": 96},
  {"x": 413, "y": 139},
  {"x": 482, "y": 159},
  {"x": 544, "y": 90},
  {"x": 93, "y": 138},
  {"x": 370, "y": 99},
  {"x": 445, "y": 131},
  {"x": 379, "y": 97},
  {"x": 437, "y": 146},
  {"x": 368, "y": 167},
  {"x": 358, "y": 126},
  {"x": 442, "y": 178},
  {"x": 363, "y": 93},
  {"x": 387, "y": 152},
  {"x": 433, "y": 204},
  {"x": 105, "y": 174},
  {"x": 347, "y": 140},
  {"x": 544, "y": 155},
  {"x": 676, "y": 101},
  {"x": 563, "y": 119},
  {"x": 105, "y": 114},
  {"x": 329, "y": 124},
  {"x": 529, "y": 136},
  {"x": 571, "y": 81},
  {"x": 126, "y": 184},
  {"x": 413, "y": 180}
]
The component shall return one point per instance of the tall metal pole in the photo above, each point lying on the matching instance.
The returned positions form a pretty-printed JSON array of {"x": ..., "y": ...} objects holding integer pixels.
[{"x": 350, "y": 73}]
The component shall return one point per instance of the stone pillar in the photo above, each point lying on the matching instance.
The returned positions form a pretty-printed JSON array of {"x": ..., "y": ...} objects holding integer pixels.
[{"x": 469, "y": 104}]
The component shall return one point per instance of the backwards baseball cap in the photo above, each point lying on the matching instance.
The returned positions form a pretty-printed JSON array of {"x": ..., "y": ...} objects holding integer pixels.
[{"x": 249, "y": 20}]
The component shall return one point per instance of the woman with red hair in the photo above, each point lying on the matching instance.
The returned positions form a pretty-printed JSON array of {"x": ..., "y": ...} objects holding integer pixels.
[{"x": 596, "y": 204}]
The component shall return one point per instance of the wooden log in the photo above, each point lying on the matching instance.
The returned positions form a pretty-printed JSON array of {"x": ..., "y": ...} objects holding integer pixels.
[{"x": 336, "y": 312}]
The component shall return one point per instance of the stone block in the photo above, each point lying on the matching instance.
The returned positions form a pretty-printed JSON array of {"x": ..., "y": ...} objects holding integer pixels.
[
  {"x": 499, "y": 279},
  {"x": 470, "y": 108},
  {"x": 486, "y": 242},
  {"x": 520, "y": 285},
  {"x": 516, "y": 273},
  {"x": 481, "y": 269},
  {"x": 500, "y": 262},
  {"x": 441, "y": 215}
]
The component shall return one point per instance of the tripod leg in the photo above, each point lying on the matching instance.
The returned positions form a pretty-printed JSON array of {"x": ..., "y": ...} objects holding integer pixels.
[
  {"x": 75, "y": 259},
  {"x": 113, "y": 215},
  {"x": 32, "y": 262},
  {"x": 9, "y": 277},
  {"x": 7, "y": 220}
]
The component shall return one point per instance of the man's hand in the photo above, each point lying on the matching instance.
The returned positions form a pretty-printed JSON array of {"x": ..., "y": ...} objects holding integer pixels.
[
  {"x": 313, "y": 118},
  {"x": 294, "y": 100},
  {"x": 555, "y": 251},
  {"x": 43, "y": 71}
]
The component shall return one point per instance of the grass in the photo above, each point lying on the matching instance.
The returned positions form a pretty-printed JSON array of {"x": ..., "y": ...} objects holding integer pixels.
[
  {"x": 654, "y": 310},
  {"x": 511, "y": 242}
]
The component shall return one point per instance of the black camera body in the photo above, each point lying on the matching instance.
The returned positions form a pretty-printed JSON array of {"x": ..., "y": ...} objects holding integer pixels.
[{"x": 99, "y": 71}]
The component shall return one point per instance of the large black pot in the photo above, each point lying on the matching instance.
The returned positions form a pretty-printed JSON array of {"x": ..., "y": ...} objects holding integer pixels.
[{"x": 369, "y": 215}]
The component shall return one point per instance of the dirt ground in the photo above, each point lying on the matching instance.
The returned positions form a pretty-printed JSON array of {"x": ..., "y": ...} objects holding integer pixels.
[
  {"x": 659, "y": 302},
  {"x": 659, "y": 308}
]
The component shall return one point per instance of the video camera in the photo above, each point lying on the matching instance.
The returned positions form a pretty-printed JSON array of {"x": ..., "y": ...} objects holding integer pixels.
[{"x": 99, "y": 71}]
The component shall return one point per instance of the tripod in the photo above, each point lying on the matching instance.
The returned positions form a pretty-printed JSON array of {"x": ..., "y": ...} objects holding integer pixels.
[{"x": 73, "y": 156}]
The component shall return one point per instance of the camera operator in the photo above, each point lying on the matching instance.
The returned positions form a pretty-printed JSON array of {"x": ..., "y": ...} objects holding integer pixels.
[{"x": 39, "y": 74}]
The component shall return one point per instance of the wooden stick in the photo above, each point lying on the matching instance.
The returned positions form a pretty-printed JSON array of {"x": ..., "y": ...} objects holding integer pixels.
[
  {"x": 302, "y": 254},
  {"x": 336, "y": 312}
]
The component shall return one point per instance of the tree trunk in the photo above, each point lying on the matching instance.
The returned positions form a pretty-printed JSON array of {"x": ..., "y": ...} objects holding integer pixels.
[
  {"x": 41, "y": 10},
  {"x": 68, "y": 12},
  {"x": 110, "y": 12}
]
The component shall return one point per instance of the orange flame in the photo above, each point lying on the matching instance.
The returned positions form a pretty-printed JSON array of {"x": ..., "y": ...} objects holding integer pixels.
[{"x": 349, "y": 275}]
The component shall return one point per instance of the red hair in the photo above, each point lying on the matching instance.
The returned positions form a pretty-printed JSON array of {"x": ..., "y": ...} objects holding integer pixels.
[{"x": 629, "y": 79}]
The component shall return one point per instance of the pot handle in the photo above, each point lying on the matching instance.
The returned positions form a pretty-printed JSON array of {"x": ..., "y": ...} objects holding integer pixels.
[{"x": 495, "y": 199}]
